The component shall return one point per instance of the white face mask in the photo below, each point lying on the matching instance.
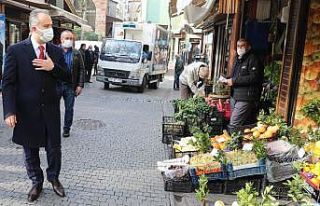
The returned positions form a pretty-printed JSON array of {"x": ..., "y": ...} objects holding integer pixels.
[
  {"x": 241, "y": 51},
  {"x": 67, "y": 44},
  {"x": 46, "y": 35}
]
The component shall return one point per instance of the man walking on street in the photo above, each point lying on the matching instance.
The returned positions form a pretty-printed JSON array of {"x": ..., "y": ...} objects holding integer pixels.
[
  {"x": 246, "y": 85},
  {"x": 96, "y": 59},
  {"x": 89, "y": 55},
  {"x": 178, "y": 68},
  {"x": 82, "y": 51},
  {"x": 31, "y": 103},
  {"x": 67, "y": 90}
]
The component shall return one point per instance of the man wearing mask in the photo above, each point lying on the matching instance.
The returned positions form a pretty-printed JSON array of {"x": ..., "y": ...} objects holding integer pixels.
[
  {"x": 89, "y": 55},
  {"x": 246, "y": 85},
  {"x": 192, "y": 79},
  {"x": 31, "y": 103},
  {"x": 67, "y": 90}
]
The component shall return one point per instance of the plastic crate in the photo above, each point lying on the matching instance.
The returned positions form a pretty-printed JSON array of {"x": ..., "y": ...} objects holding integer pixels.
[
  {"x": 214, "y": 186},
  {"x": 280, "y": 190},
  {"x": 177, "y": 154},
  {"x": 233, "y": 186},
  {"x": 182, "y": 185},
  {"x": 258, "y": 168},
  {"x": 222, "y": 175},
  {"x": 311, "y": 188},
  {"x": 171, "y": 129}
]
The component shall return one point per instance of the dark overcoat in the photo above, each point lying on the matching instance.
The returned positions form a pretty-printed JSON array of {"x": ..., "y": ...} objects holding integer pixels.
[{"x": 32, "y": 95}]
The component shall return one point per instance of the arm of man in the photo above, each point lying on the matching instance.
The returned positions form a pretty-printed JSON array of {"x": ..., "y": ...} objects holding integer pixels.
[
  {"x": 254, "y": 77},
  {"x": 9, "y": 82},
  {"x": 60, "y": 70}
]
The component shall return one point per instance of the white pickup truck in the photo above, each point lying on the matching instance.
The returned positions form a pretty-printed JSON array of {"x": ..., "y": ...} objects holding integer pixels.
[{"x": 137, "y": 56}]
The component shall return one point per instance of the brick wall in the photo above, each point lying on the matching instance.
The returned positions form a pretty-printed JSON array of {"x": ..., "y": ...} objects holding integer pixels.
[{"x": 101, "y": 15}]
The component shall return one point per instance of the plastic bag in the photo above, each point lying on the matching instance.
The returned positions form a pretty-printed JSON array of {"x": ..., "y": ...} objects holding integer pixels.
[{"x": 176, "y": 172}]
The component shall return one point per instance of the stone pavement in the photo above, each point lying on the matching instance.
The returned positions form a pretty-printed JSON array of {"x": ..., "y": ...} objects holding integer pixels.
[{"x": 110, "y": 157}]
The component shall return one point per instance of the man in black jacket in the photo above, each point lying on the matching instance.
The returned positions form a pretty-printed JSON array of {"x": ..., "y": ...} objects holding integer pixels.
[
  {"x": 89, "y": 55},
  {"x": 66, "y": 90},
  {"x": 246, "y": 85}
]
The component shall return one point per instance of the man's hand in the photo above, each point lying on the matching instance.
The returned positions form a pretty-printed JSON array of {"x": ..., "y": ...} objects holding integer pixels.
[
  {"x": 78, "y": 91},
  {"x": 229, "y": 82},
  {"x": 11, "y": 121},
  {"x": 43, "y": 64}
]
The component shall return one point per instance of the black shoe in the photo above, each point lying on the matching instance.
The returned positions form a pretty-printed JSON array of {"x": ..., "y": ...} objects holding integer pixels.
[
  {"x": 66, "y": 133},
  {"x": 89, "y": 81},
  {"x": 58, "y": 188},
  {"x": 35, "y": 192}
]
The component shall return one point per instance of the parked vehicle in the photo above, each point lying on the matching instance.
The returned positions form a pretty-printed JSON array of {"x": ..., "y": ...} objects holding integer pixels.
[{"x": 136, "y": 56}]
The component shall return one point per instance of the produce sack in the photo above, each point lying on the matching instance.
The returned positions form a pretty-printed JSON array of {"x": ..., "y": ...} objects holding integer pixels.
[{"x": 281, "y": 151}]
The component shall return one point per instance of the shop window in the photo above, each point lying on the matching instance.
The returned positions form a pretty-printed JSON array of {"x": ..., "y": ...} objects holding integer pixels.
[{"x": 14, "y": 33}]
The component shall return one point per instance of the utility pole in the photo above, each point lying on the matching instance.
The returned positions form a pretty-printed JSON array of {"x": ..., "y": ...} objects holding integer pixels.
[{"x": 84, "y": 16}]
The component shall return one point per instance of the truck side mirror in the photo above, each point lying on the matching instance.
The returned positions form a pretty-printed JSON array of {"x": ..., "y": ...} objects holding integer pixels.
[{"x": 149, "y": 56}]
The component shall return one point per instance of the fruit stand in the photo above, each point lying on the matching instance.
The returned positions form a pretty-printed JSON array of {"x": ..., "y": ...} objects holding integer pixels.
[{"x": 270, "y": 155}]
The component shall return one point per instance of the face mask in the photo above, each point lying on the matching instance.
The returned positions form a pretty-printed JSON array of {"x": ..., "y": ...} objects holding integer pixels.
[
  {"x": 241, "y": 51},
  {"x": 46, "y": 34},
  {"x": 67, "y": 44}
]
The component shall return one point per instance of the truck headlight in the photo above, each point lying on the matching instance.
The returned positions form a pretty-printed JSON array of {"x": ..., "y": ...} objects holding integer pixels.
[
  {"x": 136, "y": 74},
  {"x": 100, "y": 70}
]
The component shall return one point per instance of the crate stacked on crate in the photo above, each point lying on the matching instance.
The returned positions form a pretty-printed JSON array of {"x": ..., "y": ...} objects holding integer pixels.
[
  {"x": 244, "y": 166},
  {"x": 183, "y": 147},
  {"x": 205, "y": 164},
  {"x": 172, "y": 129},
  {"x": 182, "y": 184},
  {"x": 175, "y": 174}
]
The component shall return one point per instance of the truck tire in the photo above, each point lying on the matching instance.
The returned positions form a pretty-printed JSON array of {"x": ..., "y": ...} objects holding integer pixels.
[
  {"x": 154, "y": 85},
  {"x": 106, "y": 85},
  {"x": 143, "y": 85}
]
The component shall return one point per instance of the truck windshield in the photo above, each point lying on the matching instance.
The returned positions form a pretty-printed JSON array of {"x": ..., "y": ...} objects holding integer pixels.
[{"x": 121, "y": 51}]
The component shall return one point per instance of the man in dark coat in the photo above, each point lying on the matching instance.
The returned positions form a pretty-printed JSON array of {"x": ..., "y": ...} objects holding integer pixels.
[
  {"x": 96, "y": 59},
  {"x": 31, "y": 103},
  {"x": 89, "y": 62},
  {"x": 246, "y": 85},
  {"x": 178, "y": 68},
  {"x": 67, "y": 90}
]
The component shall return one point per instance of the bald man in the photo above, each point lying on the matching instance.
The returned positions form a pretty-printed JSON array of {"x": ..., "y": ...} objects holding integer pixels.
[
  {"x": 192, "y": 79},
  {"x": 68, "y": 91}
]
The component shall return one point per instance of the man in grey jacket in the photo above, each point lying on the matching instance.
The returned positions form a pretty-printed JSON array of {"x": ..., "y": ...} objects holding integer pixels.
[{"x": 192, "y": 79}]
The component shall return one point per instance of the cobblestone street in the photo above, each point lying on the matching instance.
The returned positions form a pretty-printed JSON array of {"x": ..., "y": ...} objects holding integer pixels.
[{"x": 110, "y": 157}]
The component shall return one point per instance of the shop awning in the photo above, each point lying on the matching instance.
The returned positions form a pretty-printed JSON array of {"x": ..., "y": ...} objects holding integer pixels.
[
  {"x": 67, "y": 17},
  {"x": 71, "y": 6},
  {"x": 29, "y": 3},
  {"x": 195, "y": 14}
]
